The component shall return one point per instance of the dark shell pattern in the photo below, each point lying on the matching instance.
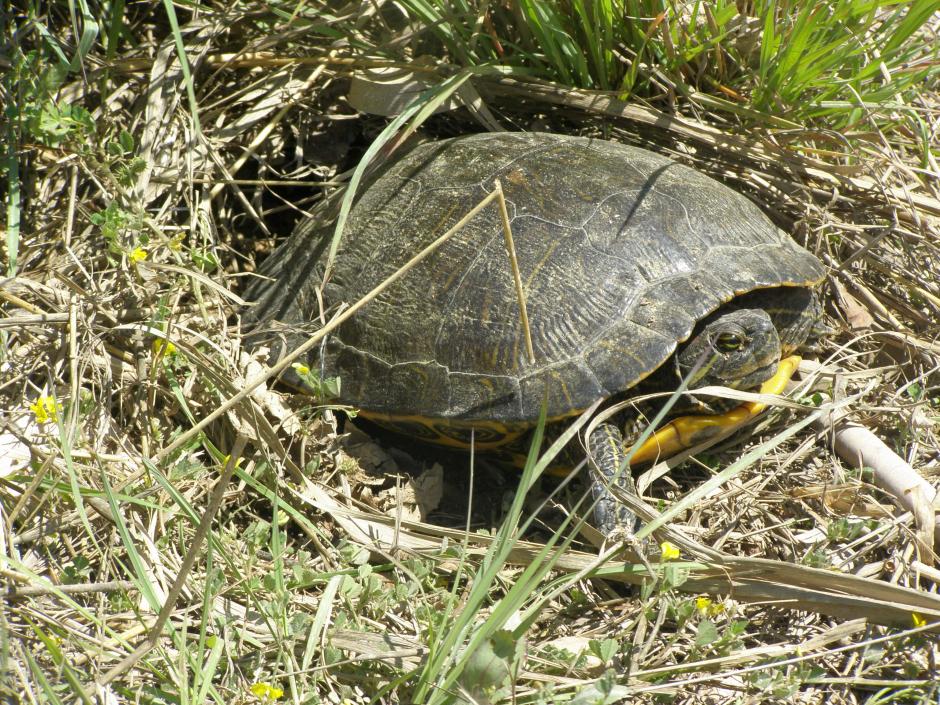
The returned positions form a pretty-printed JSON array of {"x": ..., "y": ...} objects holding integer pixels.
[{"x": 621, "y": 252}]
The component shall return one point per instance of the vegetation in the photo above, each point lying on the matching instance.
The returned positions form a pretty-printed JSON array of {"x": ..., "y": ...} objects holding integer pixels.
[{"x": 176, "y": 528}]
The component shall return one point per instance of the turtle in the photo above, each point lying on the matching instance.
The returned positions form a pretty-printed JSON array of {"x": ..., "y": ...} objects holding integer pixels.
[{"x": 634, "y": 268}]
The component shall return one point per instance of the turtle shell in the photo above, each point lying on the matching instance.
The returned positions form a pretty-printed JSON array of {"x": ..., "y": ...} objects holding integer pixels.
[{"x": 621, "y": 252}]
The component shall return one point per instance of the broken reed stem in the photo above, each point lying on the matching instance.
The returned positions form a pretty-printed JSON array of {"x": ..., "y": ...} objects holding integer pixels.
[
  {"x": 514, "y": 265},
  {"x": 334, "y": 323}
]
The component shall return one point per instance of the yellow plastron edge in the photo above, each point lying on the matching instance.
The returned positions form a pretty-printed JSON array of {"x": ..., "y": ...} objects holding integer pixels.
[{"x": 686, "y": 431}]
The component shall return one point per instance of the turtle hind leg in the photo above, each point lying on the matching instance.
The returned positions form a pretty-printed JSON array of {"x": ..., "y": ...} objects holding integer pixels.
[{"x": 609, "y": 467}]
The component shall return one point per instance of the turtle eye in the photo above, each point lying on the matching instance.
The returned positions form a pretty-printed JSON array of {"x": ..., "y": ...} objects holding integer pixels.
[{"x": 727, "y": 342}]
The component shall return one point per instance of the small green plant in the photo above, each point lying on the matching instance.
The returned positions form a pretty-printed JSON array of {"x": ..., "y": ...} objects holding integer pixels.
[
  {"x": 817, "y": 558},
  {"x": 79, "y": 572},
  {"x": 54, "y": 124},
  {"x": 914, "y": 391},
  {"x": 843, "y": 529},
  {"x": 669, "y": 575},
  {"x": 559, "y": 660},
  {"x": 46, "y": 119},
  {"x": 783, "y": 682},
  {"x": 122, "y": 161},
  {"x": 712, "y": 640},
  {"x": 489, "y": 669},
  {"x": 323, "y": 389},
  {"x": 122, "y": 231},
  {"x": 604, "y": 649}
]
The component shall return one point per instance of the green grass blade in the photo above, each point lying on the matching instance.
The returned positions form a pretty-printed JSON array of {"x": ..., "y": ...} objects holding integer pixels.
[
  {"x": 917, "y": 15},
  {"x": 138, "y": 569},
  {"x": 65, "y": 669},
  {"x": 184, "y": 65},
  {"x": 87, "y": 33},
  {"x": 414, "y": 115}
]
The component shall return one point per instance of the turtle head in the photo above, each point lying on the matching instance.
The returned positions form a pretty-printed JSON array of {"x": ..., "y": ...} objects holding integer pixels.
[{"x": 738, "y": 349}]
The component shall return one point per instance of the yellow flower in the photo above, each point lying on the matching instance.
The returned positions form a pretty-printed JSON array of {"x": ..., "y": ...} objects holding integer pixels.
[
  {"x": 669, "y": 551},
  {"x": 266, "y": 692},
  {"x": 301, "y": 368},
  {"x": 176, "y": 243},
  {"x": 163, "y": 347},
  {"x": 707, "y": 607},
  {"x": 918, "y": 620},
  {"x": 227, "y": 458},
  {"x": 138, "y": 254},
  {"x": 45, "y": 409}
]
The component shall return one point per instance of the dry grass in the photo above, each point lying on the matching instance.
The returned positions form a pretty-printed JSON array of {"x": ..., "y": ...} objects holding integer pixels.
[{"x": 135, "y": 569}]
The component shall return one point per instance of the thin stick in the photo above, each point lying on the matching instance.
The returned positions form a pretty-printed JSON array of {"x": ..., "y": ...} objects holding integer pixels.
[
  {"x": 334, "y": 323},
  {"x": 83, "y": 589},
  {"x": 44, "y": 319},
  {"x": 514, "y": 264}
]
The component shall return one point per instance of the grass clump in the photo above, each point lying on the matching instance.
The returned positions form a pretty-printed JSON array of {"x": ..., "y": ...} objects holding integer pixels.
[{"x": 795, "y": 60}]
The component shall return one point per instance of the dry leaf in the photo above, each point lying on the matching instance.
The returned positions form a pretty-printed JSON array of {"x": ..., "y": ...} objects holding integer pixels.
[
  {"x": 856, "y": 314},
  {"x": 387, "y": 91}
]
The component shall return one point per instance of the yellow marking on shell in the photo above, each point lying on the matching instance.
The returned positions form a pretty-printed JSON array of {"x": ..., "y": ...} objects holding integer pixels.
[
  {"x": 456, "y": 272},
  {"x": 485, "y": 307},
  {"x": 493, "y": 357},
  {"x": 444, "y": 219},
  {"x": 617, "y": 347},
  {"x": 451, "y": 278},
  {"x": 563, "y": 388},
  {"x": 687, "y": 431},
  {"x": 516, "y": 177},
  {"x": 588, "y": 196},
  {"x": 541, "y": 263}
]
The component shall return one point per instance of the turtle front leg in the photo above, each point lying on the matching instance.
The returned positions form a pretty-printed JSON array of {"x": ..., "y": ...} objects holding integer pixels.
[{"x": 607, "y": 457}]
